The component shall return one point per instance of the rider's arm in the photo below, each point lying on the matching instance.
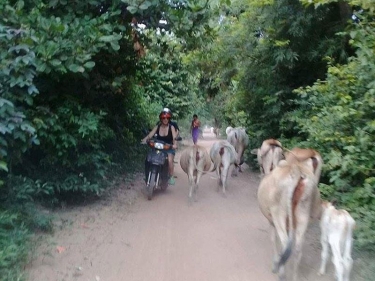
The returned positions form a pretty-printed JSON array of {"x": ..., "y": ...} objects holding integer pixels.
[
  {"x": 150, "y": 134},
  {"x": 174, "y": 135}
]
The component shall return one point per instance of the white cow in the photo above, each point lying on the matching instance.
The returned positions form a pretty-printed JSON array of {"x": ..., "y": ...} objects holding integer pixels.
[
  {"x": 240, "y": 141},
  {"x": 195, "y": 161},
  {"x": 288, "y": 197},
  {"x": 337, "y": 230},
  {"x": 228, "y": 129},
  {"x": 268, "y": 155},
  {"x": 223, "y": 155}
]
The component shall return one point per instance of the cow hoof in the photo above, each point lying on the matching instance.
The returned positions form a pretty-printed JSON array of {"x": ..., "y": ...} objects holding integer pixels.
[{"x": 190, "y": 202}]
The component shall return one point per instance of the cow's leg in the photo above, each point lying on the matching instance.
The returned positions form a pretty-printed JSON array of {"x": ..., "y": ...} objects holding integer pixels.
[
  {"x": 279, "y": 219},
  {"x": 348, "y": 264},
  {"x": 235, "y": 171},
  {"x": 348, "y": 261},
  {"x": 325, "y": 250},
  {"x": 275, "y": 241},
  {"x": 224, "y": 176},
  {"x": 334, "y": 241},
  {"x": 191, "y": 184},
  {"x": 199, "y": 175},
  {"x": 302, "y": 223},
  {"x": 218, "y": 174}
]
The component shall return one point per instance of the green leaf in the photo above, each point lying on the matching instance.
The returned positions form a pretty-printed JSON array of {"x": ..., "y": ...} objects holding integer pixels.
[
  {"x": 76, "y": 68},
  {"x": 115, "y": 46},
  {"x": 52, "y": 3},
  {"x": 32, "y": 89},
  {"x": 145, "y": 5},
  {"x": 110, "y": 38},
  {"x": 89, "y": 64},
  {"x": 55, "y": 62},
  {"x": 132, "y": 9}
]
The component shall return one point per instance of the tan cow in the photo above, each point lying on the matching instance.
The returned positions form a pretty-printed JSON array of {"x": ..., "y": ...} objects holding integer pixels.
[
  {"x": 223, "y": 155},
  {"x": 195, "y": 161},
  {"x": 268, "y": 155},
  {"x": 336, "y": 231},
  {"x": 240, "y": 141},
  {"x": 288, "y": 197}
]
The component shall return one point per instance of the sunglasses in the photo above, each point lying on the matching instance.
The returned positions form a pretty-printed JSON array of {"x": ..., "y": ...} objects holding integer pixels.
[{"x": 165, "y": 118}]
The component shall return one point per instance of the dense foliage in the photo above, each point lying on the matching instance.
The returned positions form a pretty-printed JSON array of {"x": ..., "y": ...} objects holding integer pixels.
[{"x": 338, "y": 117}]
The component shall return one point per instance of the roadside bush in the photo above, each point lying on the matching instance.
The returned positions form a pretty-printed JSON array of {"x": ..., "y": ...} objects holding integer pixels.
[
  {"x": 338, "y": 117},
  {"x": 14, "y": 248}
]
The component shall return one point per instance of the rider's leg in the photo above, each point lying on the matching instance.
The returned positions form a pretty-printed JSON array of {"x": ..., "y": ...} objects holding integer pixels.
[
  {"x": 171, "y": 168},
  {"x": 170, "y": 164}
]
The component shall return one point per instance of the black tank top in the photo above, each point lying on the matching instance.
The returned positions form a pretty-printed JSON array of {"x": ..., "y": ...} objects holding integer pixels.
[{"x": 168, "y": 138}]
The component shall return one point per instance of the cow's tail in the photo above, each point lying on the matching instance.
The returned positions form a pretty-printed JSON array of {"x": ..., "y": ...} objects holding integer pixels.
[{"x": 294, "y": 195}]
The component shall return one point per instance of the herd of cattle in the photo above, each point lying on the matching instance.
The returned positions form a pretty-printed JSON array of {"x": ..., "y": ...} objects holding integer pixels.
[{"x": 288, "y": 197}]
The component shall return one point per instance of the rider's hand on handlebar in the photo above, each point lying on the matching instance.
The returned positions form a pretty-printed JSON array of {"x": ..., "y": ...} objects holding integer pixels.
[{"x": 143, "y": 141}]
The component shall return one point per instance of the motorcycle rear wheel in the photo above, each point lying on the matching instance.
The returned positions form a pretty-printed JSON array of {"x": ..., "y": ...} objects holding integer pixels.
[{"x": 151, "y": 186}]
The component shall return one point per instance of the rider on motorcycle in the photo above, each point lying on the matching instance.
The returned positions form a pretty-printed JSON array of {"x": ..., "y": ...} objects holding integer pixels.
[
  {"x": 166, "y": 132},
  {"x": 173, "y": 123}
]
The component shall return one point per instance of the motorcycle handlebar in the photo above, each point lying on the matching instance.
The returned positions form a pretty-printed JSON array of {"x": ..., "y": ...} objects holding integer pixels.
[{"x": 177, "y": 139}]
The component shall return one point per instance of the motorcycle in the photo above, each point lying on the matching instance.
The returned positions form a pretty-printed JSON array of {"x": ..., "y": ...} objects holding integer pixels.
[{"x": 156, "y": 167}]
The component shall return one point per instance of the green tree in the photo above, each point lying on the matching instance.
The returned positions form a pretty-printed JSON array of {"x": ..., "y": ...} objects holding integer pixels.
[{"x": 337, "y": 116}]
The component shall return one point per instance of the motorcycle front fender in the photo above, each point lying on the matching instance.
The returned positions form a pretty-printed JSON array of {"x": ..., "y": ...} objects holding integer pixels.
[{"x": 155, "y": 169}]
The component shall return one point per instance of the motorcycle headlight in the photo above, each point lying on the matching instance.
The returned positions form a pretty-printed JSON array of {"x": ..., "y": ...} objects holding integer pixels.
[{"x": 159, "y": 145}]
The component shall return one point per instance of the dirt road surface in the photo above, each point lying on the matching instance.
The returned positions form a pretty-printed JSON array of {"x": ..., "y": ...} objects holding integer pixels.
[{"x": 125, "y": 237}]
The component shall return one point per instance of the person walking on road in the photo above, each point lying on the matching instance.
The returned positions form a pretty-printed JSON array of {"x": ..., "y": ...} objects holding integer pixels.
[{"x": 195, "y": 124}]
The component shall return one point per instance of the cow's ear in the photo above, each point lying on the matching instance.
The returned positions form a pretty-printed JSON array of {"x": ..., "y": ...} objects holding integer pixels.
[{"x": 254, "y": 151}]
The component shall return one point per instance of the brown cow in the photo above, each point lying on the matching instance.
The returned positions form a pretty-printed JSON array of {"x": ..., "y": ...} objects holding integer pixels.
[
  {"x": 268, "y": 155},
  {"x": 195, "y": 161},
  {"x": 223, "y": 155},
  {"x": 288, "y": 197}
]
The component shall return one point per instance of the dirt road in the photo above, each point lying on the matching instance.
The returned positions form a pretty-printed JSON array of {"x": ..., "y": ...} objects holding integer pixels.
[{"x": 127, "y": 237}]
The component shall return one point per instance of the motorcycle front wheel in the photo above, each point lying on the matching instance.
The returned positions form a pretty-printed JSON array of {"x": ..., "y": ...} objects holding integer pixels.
[
  {"x": 164, "y": 184},
  {"x": 151, "y": 186}
]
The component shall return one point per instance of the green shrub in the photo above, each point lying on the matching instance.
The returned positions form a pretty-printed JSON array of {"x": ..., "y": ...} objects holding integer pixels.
[{"x": 14, "y": 246}]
